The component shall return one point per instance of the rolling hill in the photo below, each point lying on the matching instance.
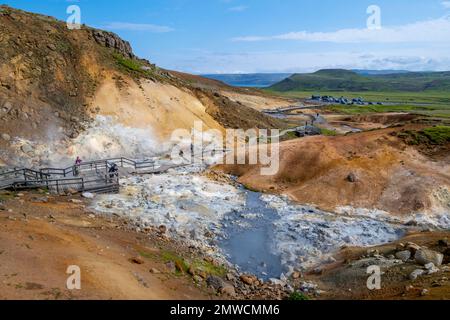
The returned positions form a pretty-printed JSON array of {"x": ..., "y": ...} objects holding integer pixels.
[{"x": 345, "y": 80}]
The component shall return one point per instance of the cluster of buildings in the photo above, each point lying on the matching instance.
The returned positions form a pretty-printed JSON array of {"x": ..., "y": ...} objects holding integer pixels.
[{"x": 342, "y": 100}]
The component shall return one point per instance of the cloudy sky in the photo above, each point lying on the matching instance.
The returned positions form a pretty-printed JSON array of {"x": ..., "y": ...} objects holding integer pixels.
[{"x": 245, "y": 36}]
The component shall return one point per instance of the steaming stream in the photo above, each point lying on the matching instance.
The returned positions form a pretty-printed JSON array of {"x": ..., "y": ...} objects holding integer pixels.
[{"x": 262, "y": 234}]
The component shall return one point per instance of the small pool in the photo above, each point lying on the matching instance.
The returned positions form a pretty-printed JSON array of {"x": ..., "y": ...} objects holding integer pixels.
[{"x": 248, "y": 238}]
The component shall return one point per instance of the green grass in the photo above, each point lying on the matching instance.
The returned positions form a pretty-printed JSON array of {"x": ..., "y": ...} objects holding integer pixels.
[
  {"x": 298, "y": 296},
  {"x": 5, "y": 196},
  {"x": 129, "y": 64},
  {"x": 198, "y": 264},
  {"x": 438, "y": 134},
  {"x": 209, "y": 268},
  {"x": 428, "y": 97},
  {"x": 430, "y": 103},
  {"x": 345, "y": 80},
  {"x": 327, "y": 132},
  {"x": 434, "y": 111}
]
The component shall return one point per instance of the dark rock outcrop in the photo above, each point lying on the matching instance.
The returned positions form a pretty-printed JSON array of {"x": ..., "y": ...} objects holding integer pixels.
[{"x": 111, "y": 40}]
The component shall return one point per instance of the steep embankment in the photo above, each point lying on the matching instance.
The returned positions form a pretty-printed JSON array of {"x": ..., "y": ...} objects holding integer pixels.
[
  {"x": 84, "y": 91},
  {"x": 373, "y": 170}
]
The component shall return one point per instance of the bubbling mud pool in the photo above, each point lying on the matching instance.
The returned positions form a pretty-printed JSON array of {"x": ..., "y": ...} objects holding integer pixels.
[{"x": 262, "y": 234}]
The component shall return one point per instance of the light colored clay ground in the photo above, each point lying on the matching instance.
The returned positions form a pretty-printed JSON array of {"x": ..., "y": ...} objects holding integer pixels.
[
  {"x": 257, "y": 102},
  {"x": 161, "y": 107}
]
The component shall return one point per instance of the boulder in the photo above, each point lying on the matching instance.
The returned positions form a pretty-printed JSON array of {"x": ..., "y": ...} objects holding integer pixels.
[
  {"x": 7, "y": 106},
  {"x": 431, "y": 268},
  {"x": 51, "y": 46},
  {"x": 228, "y": 289},
  {"x": 247, "y": 279},
  {"x": 215, "y": 282},
  {"x": 179, "y": 266},
  {"x": 155, "y": 271},
  {"x": 137, "y": 260},
  {"x": 88, "y": 195},
  {"x": 404, "y": 255},
  {"x": 71, "y": 191},
  {"x": 111, "y": 40},
  {"x": 192, "y": 271},
  {"x": 425, "y": 256},
  {"x": 277, "y": 282},
  {"x": 351, "y": 177},
  {"x": 416, "y": 273},
  {"x": 26, "y": 148},
  {"x": 171, "y": 266},
  {"x": 162, "y": 229},
  {"x": 412, "y": 247},
  {"x": 6, "y": 137}
]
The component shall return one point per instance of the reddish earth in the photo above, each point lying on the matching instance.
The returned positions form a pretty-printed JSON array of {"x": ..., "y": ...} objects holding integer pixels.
[
  {"x": 40, "y": 240},
  {"x": 387, "y": 174}
]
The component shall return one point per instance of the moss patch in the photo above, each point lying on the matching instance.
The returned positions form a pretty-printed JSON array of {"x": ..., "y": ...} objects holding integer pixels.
[
  {"x": 327, "y": 132},
  {"x": 298, "y": 296},
  {"x": 438, "y": 135}
]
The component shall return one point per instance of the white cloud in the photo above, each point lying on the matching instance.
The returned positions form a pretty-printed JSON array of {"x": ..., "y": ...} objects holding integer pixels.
[
  {"x": 414, "y": 59},
  {"x": 136, "y": 27},
  {"x": 437, "y": 30},
  {"x": 238, "y": 8},
  {"x": 446, "y": 4}
]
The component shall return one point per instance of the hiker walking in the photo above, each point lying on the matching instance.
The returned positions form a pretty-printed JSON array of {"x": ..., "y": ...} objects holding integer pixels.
[
  {"x": 113, "y": 171},
  {"x": 78, "y": 162}
]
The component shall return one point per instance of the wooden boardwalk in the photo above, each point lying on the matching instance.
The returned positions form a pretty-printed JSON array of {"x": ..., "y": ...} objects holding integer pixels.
[{"x": 93, "y": 176}]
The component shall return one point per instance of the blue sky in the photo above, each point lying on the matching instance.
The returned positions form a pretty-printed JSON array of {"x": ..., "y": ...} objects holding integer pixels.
[{"x": 241, "y": 36}]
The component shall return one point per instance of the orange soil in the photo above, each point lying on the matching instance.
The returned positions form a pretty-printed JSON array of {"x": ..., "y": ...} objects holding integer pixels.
[{"x": 390, "y": 175}]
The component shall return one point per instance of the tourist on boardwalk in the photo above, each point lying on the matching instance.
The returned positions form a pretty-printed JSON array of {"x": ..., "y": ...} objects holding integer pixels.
[
  {"x": 78, "y": 162},
  {"x": 113, "y": 171}
]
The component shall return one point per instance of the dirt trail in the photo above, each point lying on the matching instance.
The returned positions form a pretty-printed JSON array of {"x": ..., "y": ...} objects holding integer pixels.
[{"x": 40, "y": 240}]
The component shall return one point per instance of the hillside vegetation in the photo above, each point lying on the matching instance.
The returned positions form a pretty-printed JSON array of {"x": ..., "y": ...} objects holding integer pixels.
[{"x": 345, "y": 80}]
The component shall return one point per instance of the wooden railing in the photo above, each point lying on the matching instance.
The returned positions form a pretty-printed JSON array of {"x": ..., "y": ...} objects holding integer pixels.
[{"x": 99, "y": 165}]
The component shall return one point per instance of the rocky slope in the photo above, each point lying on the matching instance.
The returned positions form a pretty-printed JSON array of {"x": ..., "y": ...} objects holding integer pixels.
[
  {"x": 62, "y": 87},
  {"x": 374, "y": 170}
]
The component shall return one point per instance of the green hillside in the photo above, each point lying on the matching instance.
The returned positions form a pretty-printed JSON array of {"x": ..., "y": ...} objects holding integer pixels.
[{"x": 345, "y": 81}]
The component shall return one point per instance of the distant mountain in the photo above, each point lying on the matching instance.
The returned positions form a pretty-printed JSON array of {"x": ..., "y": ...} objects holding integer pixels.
[
  {"x": 257, "y": 80},
  {"x": 346, "y": 80},
  {"x": 378, "y": 72}
]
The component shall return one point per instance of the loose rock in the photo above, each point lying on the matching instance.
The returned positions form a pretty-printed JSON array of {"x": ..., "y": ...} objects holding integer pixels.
[
  {"x": 215, "y": 282},
  {"x": 247, "y": 279},
  {"x": 6, "y": 137},
  {"x": 155, "y": 271},
  {"x": 88, "y": 195},
  {"x": 403, "y": 255},
  {"x": 137, "y": 260},
  {"x": 425, "y": 256},
  {"x": 416, "y": 273}
]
